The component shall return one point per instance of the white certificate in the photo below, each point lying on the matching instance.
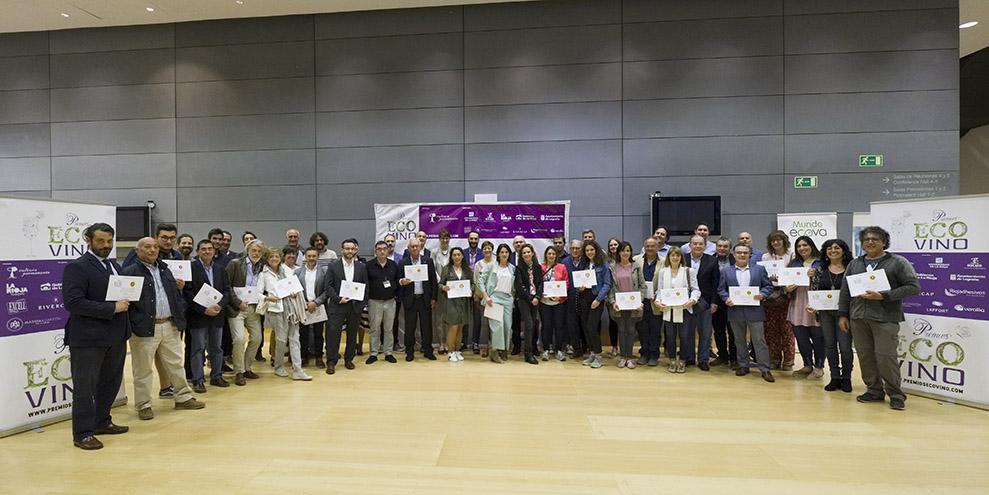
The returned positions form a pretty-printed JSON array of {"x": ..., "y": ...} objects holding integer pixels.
[
  {"x": 181, "y": 269},
  {"x": 207, "y": 296},
  {"x": 316, "y": 316},
  {"x": 287, "y": 286},
  {"x": 584, "y": 278},
  {"x": 417, "y": 273},
  {"x": 628, "y": 300},
  {"x": 122, "y": 288},
  {"x": 875, "y": 280},
  {"x": 794, "y": 276},
  {"x": 494, "y": 312},
  {"x": 650, "y": 290},
  {"x": 823, "y": 300},
  {"x": 772, "y": 266},
  {"x": 458, "y": 288},
  {"x": 555, "y": 288},
  {"x": 674, "y": 297},
  {"x": 247, "y": 294},
  {"x": 353, "y": 290},
  {"x": 744, "y": 295}
]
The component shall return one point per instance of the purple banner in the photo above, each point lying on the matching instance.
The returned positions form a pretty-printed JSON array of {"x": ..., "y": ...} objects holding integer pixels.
[
  {"x": 951, "y": 284},
  {"x": 535, "y": 221},
  {"x": 32, "y": 296}
]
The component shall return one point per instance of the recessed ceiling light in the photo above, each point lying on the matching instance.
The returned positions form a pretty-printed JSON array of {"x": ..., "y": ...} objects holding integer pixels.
[
  {"x": 64, "y": 14},
  {"x": 968, "y": 24},
  {"x": 150, "y": 9},
  {"x": 239, "y": 2}
]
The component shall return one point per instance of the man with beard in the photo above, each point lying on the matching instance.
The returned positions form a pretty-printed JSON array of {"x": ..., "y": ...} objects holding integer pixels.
[{"x": 187, "y": 244}]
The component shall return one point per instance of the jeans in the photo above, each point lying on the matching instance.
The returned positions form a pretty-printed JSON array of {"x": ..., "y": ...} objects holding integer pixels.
[
  {"x": 592, "y": 319},
  {"x": 210, "y": 338},
  {"x": 674, "y": 330},
  {"x": 698, "y": 324},
  {"x": 311, "y": 339},
  {"x": 626, "y": 333},
  {"x": 649, "y": 329},
  {"x": 837, "y": 344},
  {"x": 553, "y": 316},
  {"x": 810, "y": 341},
  {"x": 527, "y": 319}
]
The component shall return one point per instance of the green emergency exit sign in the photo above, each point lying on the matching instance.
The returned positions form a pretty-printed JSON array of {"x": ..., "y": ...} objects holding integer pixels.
[
  {"x": 805, "y": 182},
  {"x": 870, "y": 160}
]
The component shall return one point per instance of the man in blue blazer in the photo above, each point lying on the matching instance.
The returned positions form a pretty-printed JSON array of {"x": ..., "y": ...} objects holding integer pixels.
[
  {"x": 341, "y": 309},
  {"x": 747, "y": 318},
  {"x": 96, "y": 333},
  {"x": 205, "y": 324}
]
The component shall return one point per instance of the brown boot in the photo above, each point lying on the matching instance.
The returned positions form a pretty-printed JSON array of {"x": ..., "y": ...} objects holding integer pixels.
[{"x": 496, "y": 356}]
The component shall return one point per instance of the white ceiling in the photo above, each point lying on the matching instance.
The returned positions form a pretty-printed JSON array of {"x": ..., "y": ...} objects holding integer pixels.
[{"x": 44, "y": 15}]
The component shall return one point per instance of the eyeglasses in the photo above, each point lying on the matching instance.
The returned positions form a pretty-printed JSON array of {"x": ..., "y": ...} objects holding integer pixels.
[
  {"x": 167, "y": 238},
  {"x": 871, "y": 239}
]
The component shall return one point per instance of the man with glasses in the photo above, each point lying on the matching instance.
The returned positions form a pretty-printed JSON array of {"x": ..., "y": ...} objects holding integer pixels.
[
  {"x": 874, "y": 318},
  {"x": 165, "y": 236}
]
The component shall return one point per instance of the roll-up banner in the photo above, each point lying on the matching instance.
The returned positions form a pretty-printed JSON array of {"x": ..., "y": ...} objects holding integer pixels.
[
  {"x": 944, "y": 342},
  {"x": 39, "y": 238},
  {"x": 495, "y": 222},
  {"x": 818, "y": 226}
]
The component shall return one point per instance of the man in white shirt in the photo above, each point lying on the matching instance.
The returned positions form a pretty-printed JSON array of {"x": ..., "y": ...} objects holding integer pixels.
[
  {"x": 702, "y": 230},
  {"x": 311, "y": 276},
  {"x": 342, "y": 309}
]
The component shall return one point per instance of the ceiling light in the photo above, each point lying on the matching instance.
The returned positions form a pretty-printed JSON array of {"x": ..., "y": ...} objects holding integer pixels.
[
  {"x": 150, "y": 9},
  {"x": 239, "y": 2},
  {"x": 64, "y": 14},
  {"x": 968, "y": 24}
]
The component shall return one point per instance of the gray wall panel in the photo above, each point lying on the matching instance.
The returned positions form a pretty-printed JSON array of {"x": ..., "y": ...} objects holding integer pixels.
[
  {"x": 127, "y": 171},
  {"x": 555, "y": 122},
  {"x": 391, "y": 54},
  {"x": 588, "y": 197},
  {"x": 245, "y": 203},
  {"x": 219, "y": 98},
  {"x": 635, "y": 229},
  {"x": 854, "y": 72},
  {"x": 272, "y": 233},
  {"x": 604, "y": 226},
  {"x": 24, "y": 73},
  {"x": 25, "y": 174},
  {"x": 902, "y": 151},
  {"x": 356, "y": 201},
  {"x": 246, "y": 168},
  {"x": 447, "y": 19},
  {"x": 164, "y": 199},
  {"x": 860, "y": 188},
  {"x": 390, "y": 127},
  {"x": 671, "y": 10},
  {"x": 113, "y": 102},
  {"x": 568, "y": 159},
  {"x": 390, "y": 91},
  {"x": 250, "y": 30},
  {"x": 704, "y": 77},
  {"x": 21, "y": 44},
  {"x": 907, "y": 30},
  {"x": 18, "y": 140},
  {"x": 541, "y": 14},
  {"x": 101, "y": 69},
  {"x": 759, "y": 225},
  {"x": 215, "y": 63},
  {"x": 704, "y": 117},
  {"x": 739, "y": 193},
  {"x": 703, "y": 156},
  {"x": 565, "y": 45},
  {"x": 24, "y": 107},
  {"x": 550, "y": 84},
  {"x": 804, "y": 7},
  {"x": 45, "y": 193},
  {"x": 113, "y": 38},
  {"x": 871, "y": 112},
  {"x": 113, "y": 137},
  {"x": 696, "y": 39},
  {"x": 392, "y": 163},
  {"x": 338, "y": 230},
  {"x": 253, "y": 132}
]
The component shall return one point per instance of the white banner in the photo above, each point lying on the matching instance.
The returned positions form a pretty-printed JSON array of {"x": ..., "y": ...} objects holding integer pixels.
[
  {"x": 944, "y": 344},
  {"x": 818, "y": 226},
  {"x": 40, "y": 238}
]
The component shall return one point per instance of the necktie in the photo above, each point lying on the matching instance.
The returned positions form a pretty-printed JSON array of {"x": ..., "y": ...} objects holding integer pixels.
[{"x": 109, "y": 268}]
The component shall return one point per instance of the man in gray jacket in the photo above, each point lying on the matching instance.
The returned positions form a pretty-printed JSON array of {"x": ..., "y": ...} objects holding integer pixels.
[{"x": 874, "y": 317}]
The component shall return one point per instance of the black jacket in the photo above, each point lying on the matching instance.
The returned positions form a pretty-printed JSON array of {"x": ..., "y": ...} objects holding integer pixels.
[
  {"x": 92, "y": 321},
  {"x": 196, "y": 314},
  {"x": 142, "y": 313},
  {"x": 429, "y": 288},
  {"x": 522, "y": 281},
  {"x": 708, "y": 277},
  {"x": 331, "y": 287}
]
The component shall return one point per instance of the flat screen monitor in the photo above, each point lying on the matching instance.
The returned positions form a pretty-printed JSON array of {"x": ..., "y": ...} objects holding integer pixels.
[
  {"x": 681, "y": 214},
  {"x": 133, "y": 223}
]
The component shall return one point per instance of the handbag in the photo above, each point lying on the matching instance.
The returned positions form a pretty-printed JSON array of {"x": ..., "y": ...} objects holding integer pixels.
[{"x": 777, "y": 298}]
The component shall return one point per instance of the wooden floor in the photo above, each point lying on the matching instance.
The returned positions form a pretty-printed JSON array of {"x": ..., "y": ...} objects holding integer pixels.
[{"x": 478, "y": 427}]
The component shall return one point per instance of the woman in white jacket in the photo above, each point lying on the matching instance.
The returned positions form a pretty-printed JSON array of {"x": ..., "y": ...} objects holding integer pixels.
[
  {"x": 676, "y": 276},
  {"x": 282, "y": 313}
]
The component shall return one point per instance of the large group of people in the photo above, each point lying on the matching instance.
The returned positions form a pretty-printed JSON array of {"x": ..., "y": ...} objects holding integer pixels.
[{"x": 508, "y": 310}]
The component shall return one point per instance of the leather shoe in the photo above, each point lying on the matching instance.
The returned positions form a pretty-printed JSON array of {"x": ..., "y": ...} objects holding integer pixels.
[
  {"x": 704, "y": 366},
  {"x": 251, "y": 375},
  {"x": 219, "y": 382},
  {"x": 110, "y": 429},
  {"x": 430, "y": 356},
  {"x": 371, "y": 359},
  {"x": 88, "y": 443},
  {"x": 348, "y": 364},
  {"x": 719, "y": 361},
  {"x": 409, "y": 357},
  {"x": 390, "y": 358},
  {"x": 199, "y": 388},
  {"x": 741, "y": 371},
  {"x": 239, "y": 380},
  {"x": 768, "y": 376},
  {"x": 529, "y": 358},
  {"x": 191, "y": 403},
  {"x": 330, "y": 369},
  {"x": 145, "y": 414},
  {"x": 319, "y": 363}
]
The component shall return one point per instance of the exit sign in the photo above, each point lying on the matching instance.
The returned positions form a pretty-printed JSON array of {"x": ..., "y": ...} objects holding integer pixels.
[
  {"x": 870, "y": 160},
  {"x": 805, "y": 182}
]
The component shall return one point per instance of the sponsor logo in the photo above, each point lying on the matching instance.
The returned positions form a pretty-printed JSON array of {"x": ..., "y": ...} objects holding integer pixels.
[
  {"x": 525, "y": 216},
  {"x": 18, "y": 306},
  {"x": 974, "y": 264},
  {"x": 965, "y": 309},
  {"x": 506, "y": 218},
  {"x": 967, "y": 278},
  {"x": 941, "y": 233},
  {"x": 50, "y": 286},
  {"x": 12, "y": 270},
  {"x": 490, "y": 217},
  {"x": 952, "y": 292},
  {"x": 937, "y": 303},
  {"x": 15, "y": 324},
  {"x": 939, "y": 264},
  {"x": 13, "y": 290}
]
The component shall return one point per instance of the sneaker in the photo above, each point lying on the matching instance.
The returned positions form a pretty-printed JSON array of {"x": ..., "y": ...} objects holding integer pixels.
[
  {"x": 868, "y": 397},
  {"x": 630, "y": 365},
  {"x": 561, "y": 356},
  {"x": 280, "y": 371},
  {"x": 165, "y": 393},
  {"x": 816, "y": 374},
  {"x": 681, "y": 367},
  {"x": 146, "y": 414},
  {"x": 545, "y": 356},
  {"x": 460, "y": 355},
  {"x": 621, "y": 362},
  {"x": 653, "y": 361},
  {"x": 673, "y": 367},
  {"x": 897, "y": 404},
  {"x": 642, "y": 361},
  {"x": 190, "y": 404},
  {"x": 598, "y": 362},
  {"x": 453, "y": 357},
  {"x": 300, "y": 375},
  {"x": 590, "y": 359},
  {"x": 803, "y": 371},
  {"x": 614, "y": 352},
  {"x": 787, "y": 367}
]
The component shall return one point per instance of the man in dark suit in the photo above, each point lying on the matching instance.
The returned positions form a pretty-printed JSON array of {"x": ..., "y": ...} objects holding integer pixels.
[
  {"x": 418, "y": 299},
  {"x": 155, "y": 321},
  {"x": 341, "y": 309},
  {"x": 723, "y": 337},
  {"x": 747, "y": 318},
  {"x": 312, "y": 277},
  {"x": 205, "y": 324},
  {"x": 96, "y": 333},
  {"x": 708, "y": 275}
]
